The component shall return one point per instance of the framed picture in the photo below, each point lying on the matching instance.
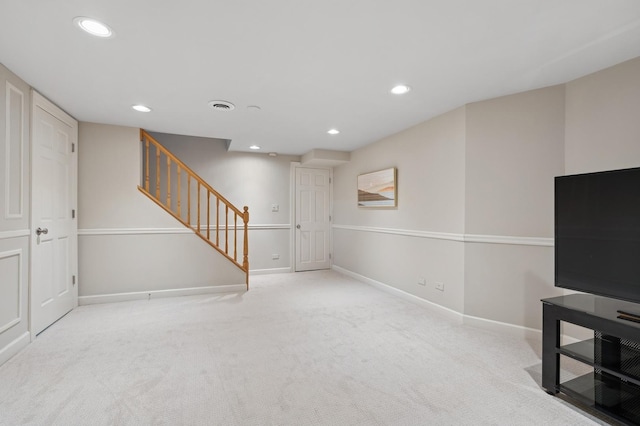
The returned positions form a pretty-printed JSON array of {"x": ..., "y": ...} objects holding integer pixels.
[{"x": 378, "y": 189}]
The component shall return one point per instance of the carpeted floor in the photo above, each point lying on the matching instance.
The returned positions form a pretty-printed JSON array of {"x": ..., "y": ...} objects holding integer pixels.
[{"x": 313, "y": 348}]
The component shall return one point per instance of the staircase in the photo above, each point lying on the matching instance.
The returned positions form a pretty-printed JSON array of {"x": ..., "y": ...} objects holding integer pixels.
[{"x": 168, "y": 181}]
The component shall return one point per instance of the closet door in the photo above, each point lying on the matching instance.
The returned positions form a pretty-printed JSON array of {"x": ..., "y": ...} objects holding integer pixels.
[
  {"x": 54, "y": 227},
  {"x": 313, "y": 224}
]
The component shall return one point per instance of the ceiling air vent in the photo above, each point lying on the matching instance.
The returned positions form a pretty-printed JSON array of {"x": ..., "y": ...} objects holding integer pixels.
[{"x": 221, "y": 105}]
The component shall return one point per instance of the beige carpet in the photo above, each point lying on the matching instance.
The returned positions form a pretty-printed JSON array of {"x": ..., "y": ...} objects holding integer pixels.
[{"x": 313, "y": 348}]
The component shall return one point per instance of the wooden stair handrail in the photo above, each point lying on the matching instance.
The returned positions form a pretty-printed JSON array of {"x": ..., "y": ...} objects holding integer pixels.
[{"x": 160, "y": 150}]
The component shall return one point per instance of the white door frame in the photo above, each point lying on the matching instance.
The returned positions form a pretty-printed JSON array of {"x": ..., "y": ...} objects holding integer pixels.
[
  {"x": 292, "y": 237},
  {"x": 39, "y": 101}
]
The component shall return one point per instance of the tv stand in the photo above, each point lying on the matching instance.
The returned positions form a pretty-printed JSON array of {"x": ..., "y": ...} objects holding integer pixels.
[{"x": 613, "y": 386}]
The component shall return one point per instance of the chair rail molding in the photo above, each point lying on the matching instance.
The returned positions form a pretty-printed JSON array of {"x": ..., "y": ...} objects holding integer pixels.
[{"x": 465, "y": 238}]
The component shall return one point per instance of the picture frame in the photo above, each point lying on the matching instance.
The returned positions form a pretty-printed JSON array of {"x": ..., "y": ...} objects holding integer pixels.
[{"x": 378, "y": 190}]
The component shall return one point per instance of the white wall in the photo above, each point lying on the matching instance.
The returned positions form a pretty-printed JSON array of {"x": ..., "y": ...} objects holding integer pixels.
[
  {"x": 14, "y": 213},
  {"x": 498, "y": 261},
  {"x": 514, "y": 149},
  {"x": 603, "y": 120},
  {"x": 602, "y": 126},
  {"x": 126, "y": 242},
  {"x": 255, "y": 180},
  {"x": 418, "y": 238}
]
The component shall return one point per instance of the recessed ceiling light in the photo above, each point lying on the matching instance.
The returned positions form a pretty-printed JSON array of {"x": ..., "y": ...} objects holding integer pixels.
[
  {"x": 333, "y": 131},
  {"x": 141, "y": 108},
  {"x": 93, "y": 26},
  {"x": 254, "y": 147},
  {"x": 400, "y": 89}
]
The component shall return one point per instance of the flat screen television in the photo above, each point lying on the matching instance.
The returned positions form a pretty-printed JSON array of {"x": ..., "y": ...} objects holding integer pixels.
[{"x": 597, "y": 233}]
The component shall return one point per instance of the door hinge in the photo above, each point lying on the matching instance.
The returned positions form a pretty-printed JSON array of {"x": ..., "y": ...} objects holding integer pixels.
[
  {"x": 73, "y": 147},
  {"x": 329, "y": 180},
  {"x": 329, "y": 256},
  {"x": 73, "y": 213},
  {"x": 329, "y": 218},
  {"x": 73, "y": 279}
]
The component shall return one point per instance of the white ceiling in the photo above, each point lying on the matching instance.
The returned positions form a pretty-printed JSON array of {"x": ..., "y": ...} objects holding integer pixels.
[{"x": 309, "y": 65}]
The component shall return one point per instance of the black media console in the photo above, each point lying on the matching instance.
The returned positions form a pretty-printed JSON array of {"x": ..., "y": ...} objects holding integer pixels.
[{"x": 613, "y": 385}]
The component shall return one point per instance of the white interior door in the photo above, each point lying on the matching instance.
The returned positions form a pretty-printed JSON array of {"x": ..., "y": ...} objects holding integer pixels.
[
  {"x": 313, "y": 223},
  {"x": 54, "y": 228}
]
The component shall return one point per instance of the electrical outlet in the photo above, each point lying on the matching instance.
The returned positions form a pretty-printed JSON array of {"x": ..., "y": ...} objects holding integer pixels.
[
  {"x": 440, "y": 286},
  {"x": 275, "y": 256},
  {"x": 275, "y": 208},
  {"x": 422, "y": 281}
]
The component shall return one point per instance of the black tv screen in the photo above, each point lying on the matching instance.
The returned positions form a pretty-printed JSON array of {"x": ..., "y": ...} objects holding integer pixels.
[{"x": 597, "y": 233}]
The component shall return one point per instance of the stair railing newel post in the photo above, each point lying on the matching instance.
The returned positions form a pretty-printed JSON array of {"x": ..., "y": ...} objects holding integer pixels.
[{"x": 245, "y": 260}]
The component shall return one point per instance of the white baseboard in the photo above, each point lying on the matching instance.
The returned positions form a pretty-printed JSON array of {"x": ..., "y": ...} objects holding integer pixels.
[
  {"x": 14, "y": 347},
  {"x": 449, "y": 313},
  {"x": 518, "y": 331},
  {"x": 153, "y": 294},
  {"x": 483, "y": 323},
  {"x": 268, "y": 272}
]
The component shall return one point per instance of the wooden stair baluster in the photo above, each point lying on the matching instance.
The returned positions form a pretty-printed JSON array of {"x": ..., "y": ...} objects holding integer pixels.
[
  {"x": 245, "y": 260},
  {"x": 146, "y": 163},
  {"x": 178, "y": 207},
  {"x": 157, "y": 173},
  {"x": 198, "y": 193},
  {"x": 226, "y": 230},
  {"x": 217, "y": 221},
  {"x": 208, "y": 214},
  {"x": 169, "y": 182}
]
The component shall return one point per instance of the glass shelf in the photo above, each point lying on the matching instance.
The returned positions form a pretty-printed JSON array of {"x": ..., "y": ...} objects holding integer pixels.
[
  {"x": 588, "y": 352},
  {"x": 615, "y": 397}
]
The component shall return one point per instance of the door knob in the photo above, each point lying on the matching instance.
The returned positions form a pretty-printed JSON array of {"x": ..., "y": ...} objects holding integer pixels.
[
  {"x": 42, "y": 231},
  {"x": 298, "y": 226}
]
